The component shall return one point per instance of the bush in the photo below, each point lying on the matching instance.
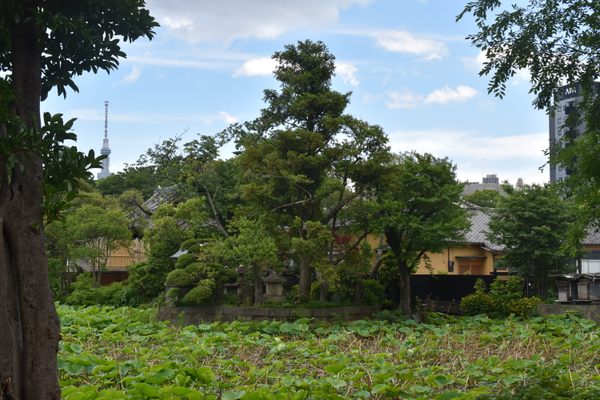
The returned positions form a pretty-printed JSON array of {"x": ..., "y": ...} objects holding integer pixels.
[
  {"x": 372, "y": 292},
  {"x": 84, "y": 293},
  {"x": 172, "y": 295},
  {"x": 504, "y": 298},
  {"x": 188, "y": 244},
  {"x": 180, "y": 278},
  {"x": 146, "y": 282},
  {"x": 201, "y": 294},
  {"x": 116, "y": 294},
  {"x": 185, "y": 259}
]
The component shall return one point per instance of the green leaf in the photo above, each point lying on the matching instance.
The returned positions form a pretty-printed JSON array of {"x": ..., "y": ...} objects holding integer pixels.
[
  {"x": 233, "y": 395},
  {"x": 334, "y": 368}
]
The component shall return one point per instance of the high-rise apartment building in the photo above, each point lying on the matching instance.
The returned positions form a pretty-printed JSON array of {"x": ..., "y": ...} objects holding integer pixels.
[{"x": 566, "y": 102}]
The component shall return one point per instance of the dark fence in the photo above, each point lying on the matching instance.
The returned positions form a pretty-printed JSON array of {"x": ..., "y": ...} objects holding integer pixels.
[
  {"x": 442, "y": 288},
  {"x": 445, "y": 287}
]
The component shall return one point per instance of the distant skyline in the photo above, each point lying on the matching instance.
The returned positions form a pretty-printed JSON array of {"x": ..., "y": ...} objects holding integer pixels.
[{"x": 408, "y": 64}]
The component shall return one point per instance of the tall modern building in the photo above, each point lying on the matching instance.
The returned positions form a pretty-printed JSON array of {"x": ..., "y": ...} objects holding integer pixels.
[
  {"x": 105, "y": 151},
  {"x": 566, "y": 101}
]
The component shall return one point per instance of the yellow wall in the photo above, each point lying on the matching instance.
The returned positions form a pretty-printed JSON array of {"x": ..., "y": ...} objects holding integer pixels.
[
  {"x": 438, "y": 262},
  {"x": 464, "y": 254}
]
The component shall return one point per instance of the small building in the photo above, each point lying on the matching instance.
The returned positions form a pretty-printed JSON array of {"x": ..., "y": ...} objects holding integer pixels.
[{"x": 579, "y": 288}]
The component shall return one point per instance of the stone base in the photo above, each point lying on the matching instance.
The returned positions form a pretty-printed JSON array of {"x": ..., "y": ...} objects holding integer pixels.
[
  {"x": 196, "y": 314},
  {"x": 589, "y": 311}
]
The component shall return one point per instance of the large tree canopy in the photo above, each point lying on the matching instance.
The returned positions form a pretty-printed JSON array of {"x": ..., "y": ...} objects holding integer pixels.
[
  {"x": 304, "y": 160},
  {"x": 43, "y": 45},
  {"x": 532, "y": 224},
  {"x": 419, "y": 212}
]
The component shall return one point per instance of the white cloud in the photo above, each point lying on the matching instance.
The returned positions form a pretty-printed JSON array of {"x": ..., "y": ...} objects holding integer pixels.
[
  {"x": 475, "y": 154},
  {"x": 133, "y": 76},
  {"x": 475, "y": 63},
  {"x": 89, "y": 114},
  {"x": 347, "y": 72},
  {"x": 230, "y": 119},
  {"x": 171, "y": 62},
  {"x": 406, "y": 99},
  {"x": 262, "y": 66},
  {"x": 223, "y": 21},
  {"x": 447, "y": 95},
  {"x": 406, "y": 42}
]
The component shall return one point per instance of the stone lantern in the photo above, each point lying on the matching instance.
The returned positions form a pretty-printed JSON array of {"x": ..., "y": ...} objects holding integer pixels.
[{"x": 274, "y": 287}]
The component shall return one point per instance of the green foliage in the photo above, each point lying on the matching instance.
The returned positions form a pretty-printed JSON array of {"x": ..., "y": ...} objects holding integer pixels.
[
  {"x": 503, "y": 299},
  {"x": 96, "y": 231},
  {"x": 522, "y": 36},
  {"x": 418, "y": 211},
  {"x": 532, "y": 224},
  {"x": 372, "y": 292},
  {"x": 189, "y": 244},
  {"x": 179, "y": 277},
  {"x": 65, "y": 168},
  {"x": 172, "y": 295},
  {"x": 141, "y": 179},
  {"x": 85, "y": 293},
  {"x": 483, "y": 198},
  {"x": 547, "y": 383},
  {"x": 185, "y": 259},
  {"x": 163, "y": 240},
  {"x": 304, "y": 162},
  {"x": 557, "y": 42},
  {"x": 201, "y": 294},
  {"x": 146, "y": 281},
  {"x": 125, "y": 353},
  {"x": 56, "y": 270}
]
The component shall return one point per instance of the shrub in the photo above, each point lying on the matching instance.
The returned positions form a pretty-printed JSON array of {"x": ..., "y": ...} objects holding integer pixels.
[
  {"x": 185, "y": 259},
  {"x": 116, "y": 294},
  {"x": 84, "y": 293},
  {"x": 146, "y": 281},
  {"x": 188, "y": 244},
  {"x": 179, "y": 277},
  {"x": 172, "y": 295},
  {"x": 373, "y": 292},
  {"x": 201, "y": 294},
  {"x": 503, "y": 298}
]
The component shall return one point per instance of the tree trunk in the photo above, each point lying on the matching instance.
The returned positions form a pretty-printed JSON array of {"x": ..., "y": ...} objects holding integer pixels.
[
  {"x": 258, "y": 292},
  {"x": 305, "y": 280},
  {"x": 404, "y": 287},
  {"x": 28, "y": 320},
  {"x": 394, "y": 239},
  {"x": 324, "y": 291}
]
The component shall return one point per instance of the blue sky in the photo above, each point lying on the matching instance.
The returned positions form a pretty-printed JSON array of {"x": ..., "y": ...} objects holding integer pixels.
[{"x": 407, "y": 62}]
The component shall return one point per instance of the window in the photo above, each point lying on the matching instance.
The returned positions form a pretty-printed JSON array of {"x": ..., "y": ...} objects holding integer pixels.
[
  {"x": 590, "y": 266},
  {"x": 470, "y": 267}
]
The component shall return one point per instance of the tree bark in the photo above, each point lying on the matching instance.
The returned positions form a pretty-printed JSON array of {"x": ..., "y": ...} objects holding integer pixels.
[
  {"x": 404, "y": 287},
  {"x": 258, "y": 293},
  {"x": 29, "y": 324},
  {"x": 305, "y": 280},
  {"x": 394, "y": 240}
]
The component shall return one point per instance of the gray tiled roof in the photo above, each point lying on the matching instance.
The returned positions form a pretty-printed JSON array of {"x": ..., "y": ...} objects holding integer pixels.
[
  {"x": 592, "y": 237},
  {"x": 480, "y": 219}
]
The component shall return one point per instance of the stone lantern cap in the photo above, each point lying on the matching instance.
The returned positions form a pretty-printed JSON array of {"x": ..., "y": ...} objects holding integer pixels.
[{"x": 273, "y": 277}]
